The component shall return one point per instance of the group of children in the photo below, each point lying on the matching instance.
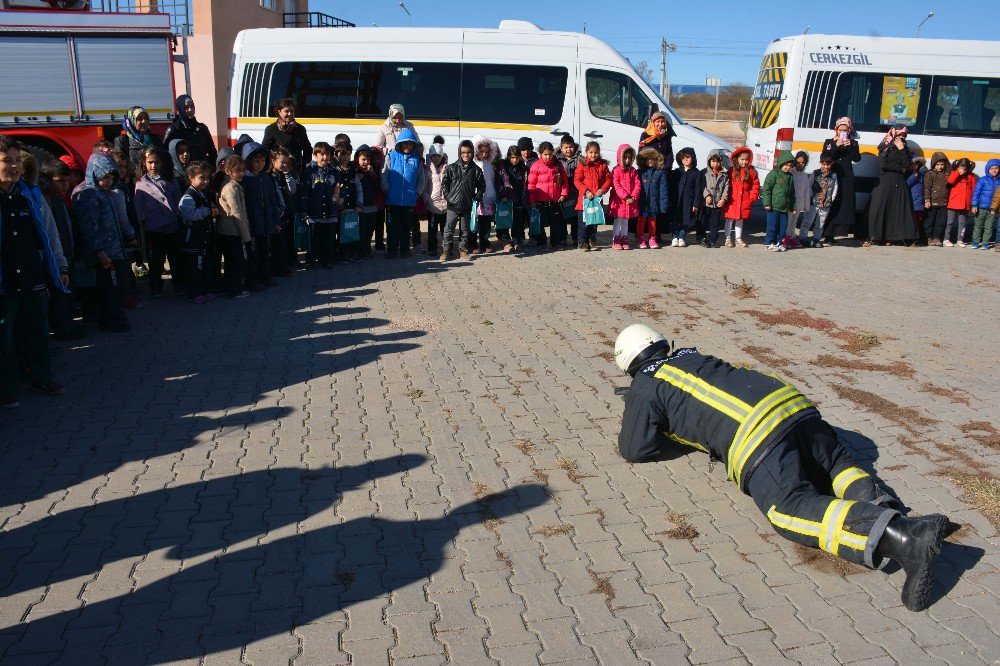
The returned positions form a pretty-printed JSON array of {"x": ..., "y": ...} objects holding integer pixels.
[{"x": 947, "y": 194}]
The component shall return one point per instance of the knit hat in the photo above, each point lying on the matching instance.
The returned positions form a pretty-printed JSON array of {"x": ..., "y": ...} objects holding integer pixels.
[
  {"x": 525, "y": 143},
  {"x": 435, "y": 149},
  {"x": 70, "y": 162}
]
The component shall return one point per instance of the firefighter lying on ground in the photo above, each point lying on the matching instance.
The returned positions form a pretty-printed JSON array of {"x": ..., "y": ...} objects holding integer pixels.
[{"x": 778, "y": 450}]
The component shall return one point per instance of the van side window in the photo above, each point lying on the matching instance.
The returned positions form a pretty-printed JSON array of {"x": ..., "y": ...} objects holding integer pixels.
[
  {"x": 616, "y": 97},
  {"x": 428, "y": 90},
  {"x": 965, "y": 106},
  {"x": 524, "y": 94},
  {"x": 320, "y": 89},
  {"x": 876, "y": 101}
]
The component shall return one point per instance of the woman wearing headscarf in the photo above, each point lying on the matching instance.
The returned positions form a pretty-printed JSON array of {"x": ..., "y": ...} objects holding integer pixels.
[
  {"x": 843, "y": 147},
  {"x": 187, "y": 128},
  {"x": 890, "y": 215},
  {"x": 658, "y": 135},
  {"x": 136, "y": 137},
  {"x": 393, "y": 125}
]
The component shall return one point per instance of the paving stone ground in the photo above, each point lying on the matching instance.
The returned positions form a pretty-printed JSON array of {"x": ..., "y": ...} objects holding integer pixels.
[{"x": 411, "y": 462}]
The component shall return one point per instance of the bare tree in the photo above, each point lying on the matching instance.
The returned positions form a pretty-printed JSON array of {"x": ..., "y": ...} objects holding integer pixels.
[{"x": 644, "y": 70}]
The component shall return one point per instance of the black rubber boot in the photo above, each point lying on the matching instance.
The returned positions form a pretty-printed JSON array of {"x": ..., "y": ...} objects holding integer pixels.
[{"x": 914, "y": 543}]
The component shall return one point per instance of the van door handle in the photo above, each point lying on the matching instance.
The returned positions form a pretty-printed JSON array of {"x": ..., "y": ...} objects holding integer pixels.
[
  {"x": 593, "y": 135},
  {"x": 558, "y": 132}
]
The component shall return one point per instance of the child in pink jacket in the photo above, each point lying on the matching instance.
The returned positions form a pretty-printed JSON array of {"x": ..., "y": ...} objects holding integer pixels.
[
  {"x": 624, "y": 195},
  {"x": 547, "y": 187}
]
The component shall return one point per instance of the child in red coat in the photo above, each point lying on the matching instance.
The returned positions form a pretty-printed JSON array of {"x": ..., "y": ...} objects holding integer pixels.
[
  {"x": 547, "y": 187},
  {"x": 592, "y": 180},
  {"x": 961, "y": 183},
  {"x": 744, "y": 188},
  {"x": 624, "y": 195}
]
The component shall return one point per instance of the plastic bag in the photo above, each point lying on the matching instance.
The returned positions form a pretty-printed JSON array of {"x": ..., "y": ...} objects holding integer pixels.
[
  {"x": 535, "y": 221},
  {"x": 473, "y": 226},
  {"x": 350, "y": 227},
  {"x": 303, "y": 235},
  {"x": 505, "y": 215},
  {"x": 593, "y": 212}
]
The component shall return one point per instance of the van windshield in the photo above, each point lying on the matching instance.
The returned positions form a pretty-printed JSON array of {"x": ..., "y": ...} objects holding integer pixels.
[{"x": 672, "y": 115}]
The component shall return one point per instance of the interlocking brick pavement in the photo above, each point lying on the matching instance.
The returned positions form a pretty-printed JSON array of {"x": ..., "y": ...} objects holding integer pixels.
[{"x": 412, "y": 462}]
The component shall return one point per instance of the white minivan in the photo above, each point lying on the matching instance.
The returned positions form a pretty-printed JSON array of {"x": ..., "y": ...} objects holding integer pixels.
[{"x": 507, "y": 83}]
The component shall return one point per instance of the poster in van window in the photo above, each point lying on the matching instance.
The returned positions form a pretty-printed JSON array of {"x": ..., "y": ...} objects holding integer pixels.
[
  {"x": 900, "y": 99},
  {"x": 767, "y": 94}
]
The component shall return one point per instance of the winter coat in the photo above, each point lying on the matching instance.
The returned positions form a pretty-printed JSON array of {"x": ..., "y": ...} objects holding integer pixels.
[
  {"x": 936, "y": 182},
  {"x": 625, "y": 184},
  {"x": 744, "y": 188},
  {"x": 687, "y": 189},
  {"x": 591, "y": 178},
  {"x": 960, "y": 189},
  {"x": 64, "y": 224},
  {"x": 653, "y": 196},
  {"x": 434, "y": 191},
  {"x": 986, "y": 187},
  {"x": 662, "y": 144},
  {"x": 97, "y": 213},
  {"x": 716, "y": 186},
  {"x": 488, "y": 204},
  {"x": 371, "y": 190},
  {"x": 569, "y": 165},
  {"x": 995, "y": 204},
  {"x": 49, "y": 260},
  {"x": 261, "y": 196},
  {"x": 502, "y": 182},
  {"x": 317, "y": 192},
  {"x": 547, "y": 182},
  {"x": 195, "y": 207},
  {"x": 388, "y": 134},
  {"x": 195, "y": 134},
  {"x": 517, "y": 176},
  {"x": 916, "y": 183},
  {"x": 156, "y": 202},
  {"x": 403, "y": 175},
  {"x": 778, "y": 192},
  {"x": 233, "y": 221},
  {"x": 40, "y": 208},
  {"x": 288, "y": 187},
  {"x": 351, "y": 190},
  {"x": 803, "y": 189},
  {"x": 295, "y": 139},
  {"x": 463, "y": 183},
  {"x": 823, "y": 189}
]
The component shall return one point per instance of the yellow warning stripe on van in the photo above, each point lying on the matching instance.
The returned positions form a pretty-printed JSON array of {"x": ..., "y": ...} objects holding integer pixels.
[
  {"x": 975, "y": 156},
  {"x": 375, "y": 122},
  {"x": 772, "y": 68},
  {"x": 765, "y": 112}
]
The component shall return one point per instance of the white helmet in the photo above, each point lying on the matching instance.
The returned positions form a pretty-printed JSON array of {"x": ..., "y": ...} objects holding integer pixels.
[{"x": 635, "y": 343}]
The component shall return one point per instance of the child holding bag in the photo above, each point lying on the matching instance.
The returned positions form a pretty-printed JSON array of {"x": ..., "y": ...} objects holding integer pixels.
[
  {"x": 592, "y": 179},
  {"x": 547, "y": 188}
]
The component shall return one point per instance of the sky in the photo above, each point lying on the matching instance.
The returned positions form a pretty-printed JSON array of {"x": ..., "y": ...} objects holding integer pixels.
[{"x": 713, "y": 37}]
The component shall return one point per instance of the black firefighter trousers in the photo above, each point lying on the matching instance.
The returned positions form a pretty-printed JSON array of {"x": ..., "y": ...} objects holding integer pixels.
[{"x": 813, "y": 494}]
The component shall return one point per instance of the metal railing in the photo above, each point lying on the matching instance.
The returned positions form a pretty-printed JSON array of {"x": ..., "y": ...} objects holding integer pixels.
[
  {"x": 314, "y": 20},
  {"x": 179, "y": 11}
]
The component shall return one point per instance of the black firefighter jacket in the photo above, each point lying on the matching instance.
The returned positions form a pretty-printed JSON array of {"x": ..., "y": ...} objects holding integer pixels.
[{"x": 734, "y": 414}]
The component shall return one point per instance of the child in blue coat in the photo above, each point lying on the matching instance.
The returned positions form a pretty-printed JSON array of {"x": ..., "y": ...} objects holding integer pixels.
[
  {"x": 653, "y": 198},
  {"x": 982, "y": 197},
  {"x": 403, "y": 182}
]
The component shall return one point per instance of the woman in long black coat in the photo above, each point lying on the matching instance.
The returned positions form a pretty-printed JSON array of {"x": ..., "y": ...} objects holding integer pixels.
[
  {"x": 845, "y": 150},
  {"x": 890, "y": 215}
]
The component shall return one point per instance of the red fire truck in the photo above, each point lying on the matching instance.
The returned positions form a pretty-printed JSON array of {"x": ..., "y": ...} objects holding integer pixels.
[{"x": 70, "y": 76}]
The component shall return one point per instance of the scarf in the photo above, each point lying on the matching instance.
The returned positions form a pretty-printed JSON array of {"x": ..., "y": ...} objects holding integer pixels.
[
  {"x": 652, "y": 134},
  {"x": 394, "y": 109},
  {"x": 891, "y": 135},
  {"x": 181, "y": 118},
  {"x": 129, "y": 128},
  {"x": 844, "y": 120}
]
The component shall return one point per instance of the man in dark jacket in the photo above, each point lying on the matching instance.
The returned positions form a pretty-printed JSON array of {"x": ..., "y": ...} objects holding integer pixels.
[
  {"x": 776, "y": 448},
  {"x": 195, "y": 134},
  {"x": 463, "y": 184},
  {"x": 289, "y": 134}
]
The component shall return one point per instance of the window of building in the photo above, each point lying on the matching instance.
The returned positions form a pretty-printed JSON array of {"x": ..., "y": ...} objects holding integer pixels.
[
  {"x": 523, "y": 94},
  {"x": 269, "y": 4},
  {"x": 616, "y": 97}
]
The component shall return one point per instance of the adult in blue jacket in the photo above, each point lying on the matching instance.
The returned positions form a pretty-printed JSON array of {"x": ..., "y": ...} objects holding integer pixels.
[
  {"x": 27, "y": 268},
  {"x": 982, "y": 199}
]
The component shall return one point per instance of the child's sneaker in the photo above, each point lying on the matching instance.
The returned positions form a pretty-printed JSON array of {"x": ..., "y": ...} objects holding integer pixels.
[
  {"x": 583, "y": 246},
  {"x": 673, "y": 242},
  {"x": 960, "y": 243},
  {"x": 740, "y": 242},
  {"x": 781, "y": 248},
  {"x": 508, "y": 248},
  {"x": 616, "y": 243},
  {"x": 681, "y": 243},
  {"x": 729, "y": 242},
  {"x": 644, "y": 243},
  {"x": 975, "y": 245},
  {"x": 653, "y": 245},
  {"x": 984, "y": 246},
  {"x": 242, "y": 294},
  {"x": 947, "y": 243}
]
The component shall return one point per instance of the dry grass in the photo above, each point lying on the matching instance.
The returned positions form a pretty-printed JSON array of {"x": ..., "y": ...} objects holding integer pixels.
[
  {"x": 856, "y": 342},
  {"x": 552, "y": 530},
  {"x": 607, "y": 356},
  {"x": 982, "y": 281},
  {"x": 766, "y": 356},
  {"x": 572, "y": 470},
  {"x": 646, "y": 308},
  {"x": 981, "y": 492},
  {"x": 415, "y": 393},
  {"x": 743, "y": 289},
  {"x": 525, "y": 446},
  {"x": 906, "y": 417},
  {"x": 953, "y": 394},
  {"x": 825, "y": 562},
  {"x": 540, "y": 475},
  {"x": 481, "y": 491},
  {"x": 793, "y": 318},
  {"x": 602, "y": 585},
  {"x": 984, "y": 433},
  {"x": 896, "y": 368},
  {"x": 682, "y": 529}
]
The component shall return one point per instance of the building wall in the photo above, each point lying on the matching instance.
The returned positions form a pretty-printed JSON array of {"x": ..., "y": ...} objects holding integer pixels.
[{"x": 216, "y": 24}]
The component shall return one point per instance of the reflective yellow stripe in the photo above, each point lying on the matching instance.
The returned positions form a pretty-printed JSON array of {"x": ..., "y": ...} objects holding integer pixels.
[
  {"x": 760, "y": 434},
  {"x": 843, "y": 480},
  {"x": 751, "y": 422},
  {"x": 681, "y": 440},
  {"x": 792, "y": 524},
  {"x": 833, "y": 525},
  {"x": 855, "y": 541},
  {"x": 720, "y": 400}
]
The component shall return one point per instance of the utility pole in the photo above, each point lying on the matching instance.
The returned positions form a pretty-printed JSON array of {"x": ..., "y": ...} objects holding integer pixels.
[
  {"x": 715, "y": 81},
  {"x": 665, "y": 46}
]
